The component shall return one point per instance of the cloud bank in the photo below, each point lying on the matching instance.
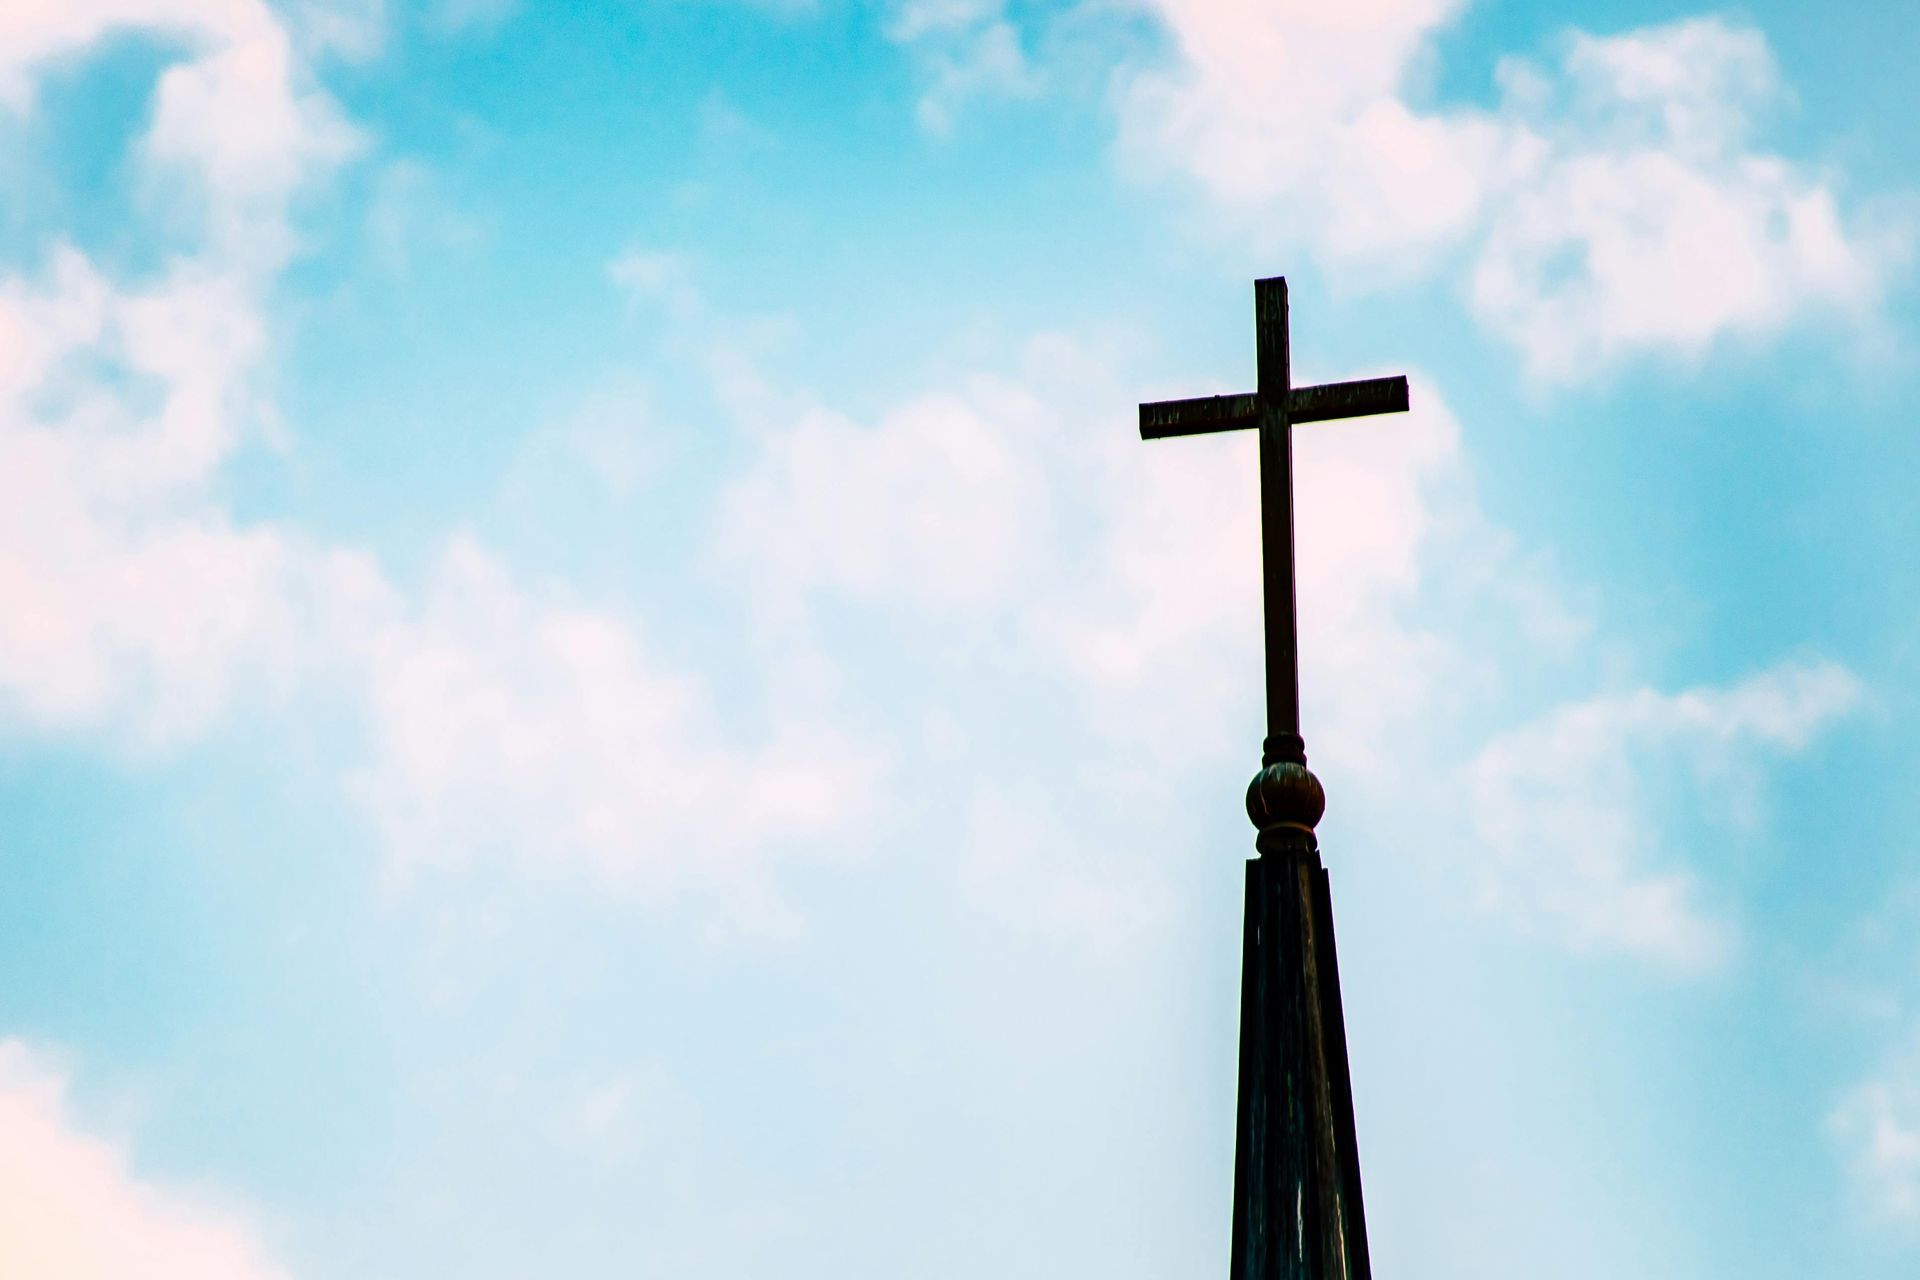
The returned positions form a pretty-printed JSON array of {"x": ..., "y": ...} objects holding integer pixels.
[{"x": 1017, "y": 503}]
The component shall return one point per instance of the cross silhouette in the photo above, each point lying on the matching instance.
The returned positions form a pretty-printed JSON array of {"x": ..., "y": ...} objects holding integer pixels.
[
  {"x": 1297, "y": 1211},
  {"x": 1273, "y": 409}
]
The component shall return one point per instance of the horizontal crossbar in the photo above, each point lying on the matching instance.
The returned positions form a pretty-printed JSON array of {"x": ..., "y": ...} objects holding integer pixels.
[{"x": 1306, "y": 404}]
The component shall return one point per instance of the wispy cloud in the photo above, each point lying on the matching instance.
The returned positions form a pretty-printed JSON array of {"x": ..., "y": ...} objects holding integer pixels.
[
  {"x": 1571, "y": 808},
  {"x": 968, "y": 50},
  {"x": 505, "y": 726},
  {"x": 1877, "y": 1125}
]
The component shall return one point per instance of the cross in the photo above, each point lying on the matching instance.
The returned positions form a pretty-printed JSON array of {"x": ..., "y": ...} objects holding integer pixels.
[
  {"x": 1297, "y": 1211},
  {"x": 1274, "y": 408}
]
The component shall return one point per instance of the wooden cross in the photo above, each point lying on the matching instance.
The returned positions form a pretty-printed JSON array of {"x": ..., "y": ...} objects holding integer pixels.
[
  {"x": 1274, "y": 408},
  {"x": 1297, "y": 1211}
]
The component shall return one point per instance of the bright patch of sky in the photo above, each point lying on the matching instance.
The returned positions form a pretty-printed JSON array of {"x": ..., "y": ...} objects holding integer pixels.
[{"x": 594, "y": 679}]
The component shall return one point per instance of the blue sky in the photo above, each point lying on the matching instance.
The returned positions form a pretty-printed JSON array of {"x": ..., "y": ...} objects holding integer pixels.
[{"x": 595, "y": 681}]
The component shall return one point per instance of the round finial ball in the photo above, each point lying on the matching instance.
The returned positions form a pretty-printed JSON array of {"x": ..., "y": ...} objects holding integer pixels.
[{"x": 1285, "y": 794}]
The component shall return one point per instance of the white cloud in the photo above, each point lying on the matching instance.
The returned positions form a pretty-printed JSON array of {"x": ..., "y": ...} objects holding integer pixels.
[
  {"x": 498, "y": 723},
  {"x": 1025, "y": 867},
  {"x": 33, "y": 35},
  {"x": 1290, "y": 113},
  {"x": 1569, "y": 809},
  {"x": 71, "y": 1209},
  {"x": 1027, "y": 499},
  {"x": 647, "y": 272},
  {"x": 612, "y": 440},
  {"x": 238, "y": 127},
  {"x": 1652, "y": 223},
  {"x": 659, "y": 277},
  {"x": 626, "y": 1117},
  {"x": 505, "y": 721},
  {"x": 132, "y": 598},
  {"x": 237, "y": 123},
  {"x": 1133, "y": 569},
  {"x": 354, "y": 30},
  {"x": 499, "y": 720},
  {"x": 409, "y": 212},
  {"x": 502, "y": 725},
  {"x": 968, "y": 49},
  {"x": 937, "y": 503},
  {"x": 460, "y": 16},
  {"x": 137, "y": 601},
  {"x": 1611, "y": 204},
  {"x": 1878, "y": 1125}
]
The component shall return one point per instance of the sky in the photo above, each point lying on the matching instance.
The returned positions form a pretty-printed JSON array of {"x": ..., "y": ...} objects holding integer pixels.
[{"x": 595, "y": 680}]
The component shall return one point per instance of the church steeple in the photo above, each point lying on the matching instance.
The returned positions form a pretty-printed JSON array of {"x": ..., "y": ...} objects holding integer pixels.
[{"x": 1297, "y": 1212}]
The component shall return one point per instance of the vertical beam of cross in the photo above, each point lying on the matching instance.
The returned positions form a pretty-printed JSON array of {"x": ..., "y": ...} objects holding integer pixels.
[
  {"x": 1274, "y": 383},
  {"x": 1297, "y": 1211}
]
